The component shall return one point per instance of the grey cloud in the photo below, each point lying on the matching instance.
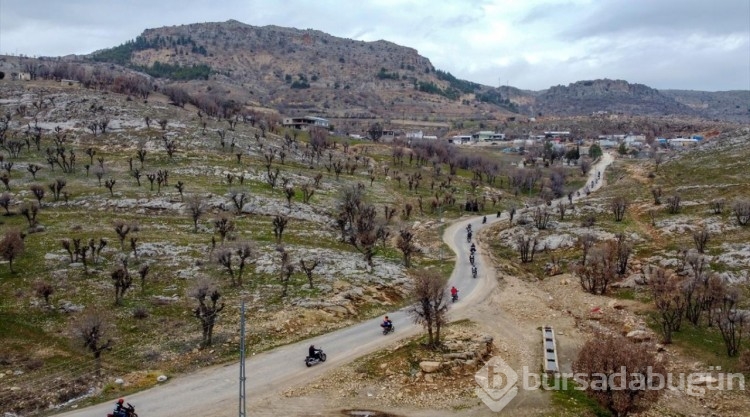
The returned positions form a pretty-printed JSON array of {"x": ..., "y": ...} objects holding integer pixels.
[
  {"x": 662, "y": 18},
  {"x": 549, "y": 12},
  {"x": 632, "y": 40}
]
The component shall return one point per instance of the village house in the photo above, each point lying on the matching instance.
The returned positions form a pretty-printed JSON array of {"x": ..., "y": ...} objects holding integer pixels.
[
  {"x": 683, "y": 142},
  {"x": 305, "y": 122},
  {"x": 487, "y": 136},
  {"x": 460, "y": 139}
]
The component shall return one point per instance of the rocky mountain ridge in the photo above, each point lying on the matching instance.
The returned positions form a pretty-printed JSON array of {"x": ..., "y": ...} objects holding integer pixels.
[{"x": 299, "y": 72}]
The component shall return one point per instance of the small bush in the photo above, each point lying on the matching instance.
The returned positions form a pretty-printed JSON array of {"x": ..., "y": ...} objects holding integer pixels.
[
  {"x": 140, "y": 313},
  {"x": 588, "y": 221}
]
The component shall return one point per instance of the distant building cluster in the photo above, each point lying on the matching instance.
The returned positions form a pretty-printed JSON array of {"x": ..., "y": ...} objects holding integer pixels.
[{"x": 632, "y": 143}]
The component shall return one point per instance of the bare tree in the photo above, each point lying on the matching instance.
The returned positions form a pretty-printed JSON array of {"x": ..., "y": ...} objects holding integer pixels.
[
  {"x": 5, "y": 202},
  {"x": 717, "y": 205},
  {"x": 541, "y": 217},
  {"x": 405, "y": 243},
  {"x": 30, "y": 210},
  {"x": 110, "y": 183},
  {"x": 143, "y": 273},
  {"x": 701, "y": 238},
  {"x": 286, "y": 269},
  {"x": 619, "y": 205},
  {"x": 223, "y": 257},
  {"x": 123, "y": 229},
  {"x": 208, "y": 308},
  {"x": 431, "y": 304},
  {"x": 289, "y": 192},
  {"x": 244, "y": 251},
  {"x": 307, "y": 192},
  {"x": 732, "y": 321},
  {"x": 696, "y": 265},
  {"x": 627, "y": 379},
  {"x": 195, "y": 207},
  {"x": 674, "y": 204},
  {"x": 526, "y": 246},
  {"x": 623, "y": 249},
  {"x": 308, "y": 268},
  {"x": 12, "y": 246},
  {"x": 38, "y": 192},
  {"x": 656, "y": 192},
  {"x": 279, "y": 225},
  {"x": 44, "y": 290},
  {"x": 741, "y": 209},
  {"x": 561, "y": 208},
  {"x": 585, "y": 165},
  {"x": 586, "y": 242},
  {"x": 92, "y": 330},
  {"x": 224, "y": 226},
  {"x": 666, "y": 291},
  {"x": 600, "y": 270},
  {"x": 180, "y": 186},
  {"x": 57, "y": 187},
  {"x": 238, "y": 199},
  {"x": 122, "y": 280},
  {"x": 33, "y": 169}
]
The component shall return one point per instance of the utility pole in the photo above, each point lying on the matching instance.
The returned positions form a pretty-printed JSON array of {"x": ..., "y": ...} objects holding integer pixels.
[{"x": 243, "y": 412}]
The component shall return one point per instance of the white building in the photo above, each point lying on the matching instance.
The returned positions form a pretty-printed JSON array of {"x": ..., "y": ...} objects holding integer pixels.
[{"x": 305, "y": 122}]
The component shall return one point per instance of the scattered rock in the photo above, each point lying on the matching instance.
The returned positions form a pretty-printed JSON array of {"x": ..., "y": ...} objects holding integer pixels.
[
  {"x": 429, "y": 366},
  {"x": 68, "y": 307},
  {"x": 161, "y": 378},
  {"x": 119, "y": 381},
  {"x": 639, "y": 336}
]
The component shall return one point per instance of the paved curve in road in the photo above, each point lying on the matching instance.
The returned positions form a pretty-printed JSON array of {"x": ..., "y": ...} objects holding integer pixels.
[{"x": 214, "y": 391}]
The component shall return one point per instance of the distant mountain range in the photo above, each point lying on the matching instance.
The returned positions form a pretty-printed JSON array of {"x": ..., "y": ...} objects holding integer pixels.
[{"x": 311, "y": 72}]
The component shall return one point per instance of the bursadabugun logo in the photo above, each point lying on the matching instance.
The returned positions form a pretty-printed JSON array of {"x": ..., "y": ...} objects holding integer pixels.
[{"x": 497, "y": 384}]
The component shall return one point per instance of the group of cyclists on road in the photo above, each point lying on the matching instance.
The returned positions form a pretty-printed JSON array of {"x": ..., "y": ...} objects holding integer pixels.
[{"x": 387, "y": 324}]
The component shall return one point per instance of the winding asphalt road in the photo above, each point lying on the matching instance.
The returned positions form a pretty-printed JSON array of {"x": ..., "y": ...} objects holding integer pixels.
[{"x": 214, "y": 391}]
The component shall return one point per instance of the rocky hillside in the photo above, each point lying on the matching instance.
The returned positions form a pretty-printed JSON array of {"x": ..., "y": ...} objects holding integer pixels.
[
  {"x": 612, "y": 96},
  {"x": 304, "y": 71},
  {"x": 354, "y": 83},
  {"x": 721, "y": 105}
]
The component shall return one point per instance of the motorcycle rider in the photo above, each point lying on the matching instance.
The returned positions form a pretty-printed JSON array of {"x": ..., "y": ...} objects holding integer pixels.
[
  {"x": 473, "y": 248},
  {"x": 313, "y": 353},
  {"x": 474, "y": 271},
  {"x": 454, "y": 293},
  {"x": 387, "y": 323},
  {"x": 122, "y": 410},
  {"x": 484, "y": 220}
]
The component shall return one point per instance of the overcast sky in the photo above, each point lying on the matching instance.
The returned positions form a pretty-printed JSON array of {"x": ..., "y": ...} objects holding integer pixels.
[{"x": 681, "y": 44}]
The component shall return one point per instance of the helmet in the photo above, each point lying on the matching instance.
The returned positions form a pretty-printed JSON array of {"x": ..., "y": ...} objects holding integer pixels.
[
  {"x": 386, "y": 317},
  {"x": 120, "y": 401}
]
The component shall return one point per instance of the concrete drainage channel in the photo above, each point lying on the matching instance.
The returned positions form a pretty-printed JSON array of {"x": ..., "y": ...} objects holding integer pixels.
[
  {"x": 366, "y": 413},
  {"x": 551, "y": 364}
]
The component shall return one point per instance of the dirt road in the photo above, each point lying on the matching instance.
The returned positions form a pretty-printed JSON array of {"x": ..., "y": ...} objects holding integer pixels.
[{"x": 214, "y": 391}]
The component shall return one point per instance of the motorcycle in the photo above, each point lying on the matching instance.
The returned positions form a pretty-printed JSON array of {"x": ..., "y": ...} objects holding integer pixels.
[
  {"x": 388, "y": 329},
  {"x": 468, "y": 237},
  {"x": 454, "y": 297},
  {"x": 128, "y": 411},
  {"x": 312, "y": 360},
  {"x": 484, "y": 220},
  {"x": 471, "y": 258},
  {"x": 474, "y": 272},
  {"x": 473, "y": 249}
]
